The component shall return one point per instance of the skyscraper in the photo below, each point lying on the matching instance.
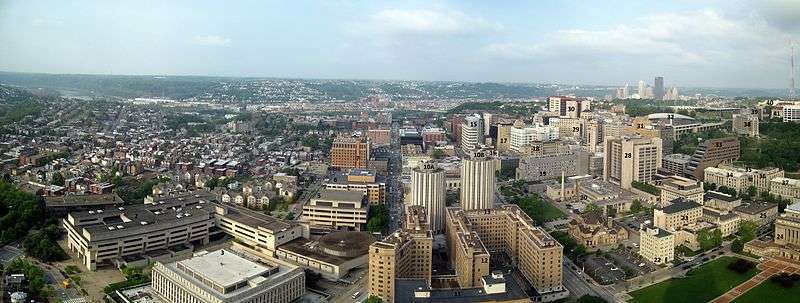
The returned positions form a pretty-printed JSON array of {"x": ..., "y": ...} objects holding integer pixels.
[
  {"x": 478, "y": 181},
  {"x": 641, "y": 89},
  {"x": 658, "y": 88},
  {"x": 428, "y": 191},
  {"x": 472, "y": 133}
]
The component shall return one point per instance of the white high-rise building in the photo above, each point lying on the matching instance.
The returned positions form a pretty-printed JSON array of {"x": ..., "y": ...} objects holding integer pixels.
[
  {"x": 428, "y": 191},
  {"x": 478, "y": 181},
  {"x": 641, "y": 90},
  {"x": 472, "y": 133}
]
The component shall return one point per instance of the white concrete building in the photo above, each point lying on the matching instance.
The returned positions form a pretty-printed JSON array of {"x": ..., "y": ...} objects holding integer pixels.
[
  {"x": 428, "y": 191},
  {"x": 478, "y": 181}
]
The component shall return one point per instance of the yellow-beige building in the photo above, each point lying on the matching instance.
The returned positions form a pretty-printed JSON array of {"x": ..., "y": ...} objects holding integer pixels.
[
  {"x": 674, "y": 187},
  {"x": 786, "y": 244},
  {"x": 785, "y": 188},
  {"x": 741, "y": 179},
  {"x": 473, "y": 235},
  {"x": 336, "y": 209},
  {"x": 677, "y": 214},
  {"x": 363, "y": 180},
  {"x": 350, "y": 153},
  {"x": 630, "y": 159},
  {"x": 595, "y": 232},
  {"x": 760, "y": 213},
  {"x": 405, "y": 254},
  {"x": 656, "y": 245}
]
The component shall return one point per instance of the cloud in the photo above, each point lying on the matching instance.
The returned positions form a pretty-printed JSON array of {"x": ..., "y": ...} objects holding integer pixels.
[
  {"x": 783, "y": 14},
  {"x": 212, "y": 40},
  {"x": 426, "y": 22},
  {"x": 697, "y": 38},
  {"x": 46, "y": 22}
]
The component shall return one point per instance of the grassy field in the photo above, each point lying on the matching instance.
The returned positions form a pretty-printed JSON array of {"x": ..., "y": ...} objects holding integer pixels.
[
  {"x": 770, "y": 292},
  {"x": 701, "y": 284},
  {"x": 538, "y": 209}
]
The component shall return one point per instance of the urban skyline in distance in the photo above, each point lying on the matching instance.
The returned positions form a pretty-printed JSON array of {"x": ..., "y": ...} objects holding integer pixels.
[{"x": 736, "y": 44}]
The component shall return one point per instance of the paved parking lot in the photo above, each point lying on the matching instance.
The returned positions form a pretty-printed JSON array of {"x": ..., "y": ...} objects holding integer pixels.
[
  {"x": 602, "y": 270},
  {"x": 8, "y": 253},
  {"x": 628, "y": 258}
]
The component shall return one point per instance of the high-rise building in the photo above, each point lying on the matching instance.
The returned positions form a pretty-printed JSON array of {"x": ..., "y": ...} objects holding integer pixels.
[
  {"x": 472, "y": 133},
  {"x": 568, "y": 107},
  {"x": 711, "y": 153},
  {"x": 428, "y": 191},
  {"x": 641, "y": 89},
  {"x": 676, "y": 164},
  {"x": 745, "y": 123},
  {"x": 658, "y": 88},
  {"x": 350, "y": 153},
  {"x": 474, "y": 235},
  {"x": 405, "y": 254},
  {"x": 630, "y": 159},
  {"x": 478, "y": 181}
]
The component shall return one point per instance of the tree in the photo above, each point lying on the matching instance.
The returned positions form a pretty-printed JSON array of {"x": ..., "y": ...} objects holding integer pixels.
[
  {"x": 436, "y": 154},
  {"x": 709, "y": 239},
  {"x": 378, "y": 218},
  {"x": 58, "y": 179},
  {"x": 593, "y": 208},
  {"x": 727, "y": 190},
  {"x": 373, "y": 299},
  {"x": 709, "y": 186},
  {"x": 636, "y": 206},
  {"x": 737, "y": 246},
  {"x": 290, "y": 216},
  {"x": 747, "y": 231}
]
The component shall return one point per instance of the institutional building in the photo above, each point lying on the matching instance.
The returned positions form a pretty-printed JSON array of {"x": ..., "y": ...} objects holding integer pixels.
[
  {"x": 674, "y": 187},
  {"x": 113, "y": 235},
  {"x": 335, "y": 209},
  {"x": 522, "y": 135},
  {"x": 405, "y": 254},
  {"x": 428, "y": 190},
  {"x": 630, "y": 159},
  {"x": 679, "y": 213},
  {"x": 712, "y": 152},
  {"x": 741, "y": 179},
  {"x": 350, "y": 153},
  {"x": 363, "y": 180},
  {"x": 676, "y": 164},
  {"x": 785, "y": 188},
  {"x": 333, "y": 255},
  {"x": 474, "y": 235},
  {"x": 478, "y": 181},
  {"x": 656, "y": 245},
  {"x": 762, "y": 214},
  {"x": 720, "y": 201},
  {"x": 787, "y": 238},
  {"x": 745, "y": 124},
  {"x": 551, "y": 166},
  {"x": 568, "y": 107},
  {"x": 227, "y": 276},
  {"x": 472, "y": 136},
  {"x": 595, "y": 232}
]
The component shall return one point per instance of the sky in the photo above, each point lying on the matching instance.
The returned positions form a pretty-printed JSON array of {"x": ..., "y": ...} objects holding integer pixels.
[{"x": 691, "y": 43}]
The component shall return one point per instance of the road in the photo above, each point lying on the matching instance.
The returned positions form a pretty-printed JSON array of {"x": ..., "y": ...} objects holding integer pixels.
[
  {"x": 394, "y": 186},
  {"x": 578, "y": 285}
]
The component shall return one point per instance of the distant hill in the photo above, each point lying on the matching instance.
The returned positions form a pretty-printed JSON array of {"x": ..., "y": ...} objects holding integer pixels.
[{"x": 274, "y": 90}]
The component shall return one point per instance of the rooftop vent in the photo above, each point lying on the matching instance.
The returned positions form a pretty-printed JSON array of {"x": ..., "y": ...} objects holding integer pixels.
[
  {"x": 91, "y": 212},
  {"x": 121, "y": 208},
  {"x": 143, "y": 223},
  {"x": 120, "y": 227}
]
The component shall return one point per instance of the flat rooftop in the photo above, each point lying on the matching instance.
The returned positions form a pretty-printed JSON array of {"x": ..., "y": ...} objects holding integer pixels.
[
  {"x": 223, "y": 267},
  {"x": 340, "y": 195}
]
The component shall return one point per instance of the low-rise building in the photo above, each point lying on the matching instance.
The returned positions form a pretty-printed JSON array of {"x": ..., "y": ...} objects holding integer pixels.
[
  {"x": 720, "y": 201},
  {"x": 363, "y": 180},
  {"x": 333, "y": 255},
  {"x": 762, "y": 214},
  {"x": 741, "y": 179},
  {"x": 679, "y": 213},
  {"x": 675, "y": 187},
  {"x": 595, "y": 232}
]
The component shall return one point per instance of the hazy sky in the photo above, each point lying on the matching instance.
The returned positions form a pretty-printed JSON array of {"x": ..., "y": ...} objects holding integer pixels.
[{"x": 732, "y": 43}]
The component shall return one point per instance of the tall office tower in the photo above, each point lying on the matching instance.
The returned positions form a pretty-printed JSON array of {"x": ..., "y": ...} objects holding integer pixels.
[
  {"x": 630, "y": 159},
  {"x": 472, "y": 133},
  {"x": 658, "y": 88},
  {"x": 642, "y": 89},
  {"x": 478, "y": 181},
  {"x": 745, "y": 123},
  {"x": 568, "y": 107},
  {"x": 428, "y": 191},
  {"x": 350, "y": 153}
]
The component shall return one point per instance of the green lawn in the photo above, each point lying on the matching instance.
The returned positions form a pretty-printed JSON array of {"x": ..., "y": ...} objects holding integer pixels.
[
  {"x": 701, "y": 284},
  {"x": 770, "y": 292},
  {"x": 538, "y": 209}
]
